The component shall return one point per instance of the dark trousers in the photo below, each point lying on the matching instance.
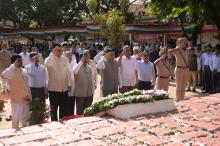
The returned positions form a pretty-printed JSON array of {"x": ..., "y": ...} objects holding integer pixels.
[
  {"x": 125, "y": 89},
  {"x": 58, "y": 99},
  {"x": 108, "y": 92},
  {"x": 203, "y": 79},
  {"x": 38, "y": 93},
  {"x": 215, "y": 81},
  {"x": 71, "y": 105},
  {"x": 142, "y": 85},
  {"x": 208, "y": 79},
  {"x": 218, "y": 81},
  {"x": 82, "y": 103}
]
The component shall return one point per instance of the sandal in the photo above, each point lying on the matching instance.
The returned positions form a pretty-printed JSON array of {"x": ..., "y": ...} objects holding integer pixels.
[{"x": 9, "y": 118}]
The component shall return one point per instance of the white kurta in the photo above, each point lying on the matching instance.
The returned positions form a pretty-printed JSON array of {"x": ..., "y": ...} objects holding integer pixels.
[{"x": 18, "y": 80}]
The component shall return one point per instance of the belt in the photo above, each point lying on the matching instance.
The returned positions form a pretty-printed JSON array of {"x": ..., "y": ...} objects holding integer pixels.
[
  {"x": 163, "y": 77},
  {"x": 183, "y": 67}
]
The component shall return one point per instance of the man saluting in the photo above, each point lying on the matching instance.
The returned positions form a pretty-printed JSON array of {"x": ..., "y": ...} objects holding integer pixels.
[
  {"x": 182, "y": 70},
  {"x": 163, "y": 71}
]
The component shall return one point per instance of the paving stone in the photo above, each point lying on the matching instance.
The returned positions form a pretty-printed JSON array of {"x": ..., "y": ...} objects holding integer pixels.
[
  {"x": 175, "y": 144},
  {"x": 184, "y": 129},
  {"x": 83, "y": 120},
  {"x": 161, "y": 131},
  {"x": 53, "y": 125},
  {"x": 127, "y": 142},
  {"x": 208, "y": 141},
  {"x": 150, "y": 123},
  {"x": 216, "y": 122},
  {"x": 85, "y": 143},
  {"x": 171, "y": 125},
  {"x": 103, "y": 132},
  {"x": 60, "y": 131},
  {"x": 217, "y": 134},
  {"x": 33, "y": 129},
  {"x": 207, "y": 126},
  {"x": 25, "y": 138},
  {"x": 67, "y": 138},
  {"x": 31, "y": 144},
  {"x": 116, "y": 137},
  {"x": 149, "y": 139},
  {"x": 190, "y": 135},
  {"x": 8, "y": 133}
]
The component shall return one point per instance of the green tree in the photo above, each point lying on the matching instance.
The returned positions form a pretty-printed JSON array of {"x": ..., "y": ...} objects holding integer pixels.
[
  {"x": 112, "y": 27},
  {"x": 103, "y": 6},
  {"x": 212, "y": 10},
  {"x": 195, "y": 13},
  {"x": 187, "y": 12},
  {"x": 42, "y": 13}
]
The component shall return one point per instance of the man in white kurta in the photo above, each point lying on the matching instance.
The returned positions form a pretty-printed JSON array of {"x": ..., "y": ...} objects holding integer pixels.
[
  {"x": 127, "y": 70},
  {"x": 59, "y": 82},
  {"x": 20, "y": 92}
]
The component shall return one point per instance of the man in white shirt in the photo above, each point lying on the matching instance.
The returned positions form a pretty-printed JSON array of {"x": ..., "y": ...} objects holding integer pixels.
[
  {"x": 136, "y": 52},
  {"x": 216, "y": 68},
  {"x": 127, "y": 70},
  {"x": 59, "y": 82},
  {"x": 207, "y": 69},
  {"x": 19, "y": 91},
  {"x": 203, "y": 68},
  {"x": 199, "y": 65},
  {"x": 99, "y": 56},
  {"x": 145, "y": 72},
  {"x": 75, "y": 55},
  {"x": 36, "y": 50},
  {"x": 71, "y": 98},
  {"x": 25, "y": 56},
  {"x": 92, "y": 63},
  {"x": 37, "y": 77}
]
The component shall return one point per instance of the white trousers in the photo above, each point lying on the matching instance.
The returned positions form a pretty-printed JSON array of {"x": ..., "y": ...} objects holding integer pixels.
[
  {"x": 20, "y": 114},
  {"x": 3, "y": 85}
]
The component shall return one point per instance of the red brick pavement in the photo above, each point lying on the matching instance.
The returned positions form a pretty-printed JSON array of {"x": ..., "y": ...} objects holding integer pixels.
[{"x": 195, "y": 122}]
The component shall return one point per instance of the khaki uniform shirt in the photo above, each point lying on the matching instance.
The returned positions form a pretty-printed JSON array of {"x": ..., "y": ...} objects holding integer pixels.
[{"x": 4, "y": 60}]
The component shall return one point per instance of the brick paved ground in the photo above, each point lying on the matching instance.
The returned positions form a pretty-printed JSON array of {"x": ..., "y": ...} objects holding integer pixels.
[
  {"x": 7, "y": 110},
  {"x": 195, "y": 122}
]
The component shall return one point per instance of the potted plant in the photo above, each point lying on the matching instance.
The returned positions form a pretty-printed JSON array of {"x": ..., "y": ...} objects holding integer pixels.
[{"x": 40, "y": 112}]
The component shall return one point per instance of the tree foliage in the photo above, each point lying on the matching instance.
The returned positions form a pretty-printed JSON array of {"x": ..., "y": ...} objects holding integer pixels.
[
  {"x": 195, "y": 13},
  {"x": 111, "y": 24},
  {"x": 42, "y": 13},
  {"x": 103, "y": 6},
  {"x": 190, "y": 12}
]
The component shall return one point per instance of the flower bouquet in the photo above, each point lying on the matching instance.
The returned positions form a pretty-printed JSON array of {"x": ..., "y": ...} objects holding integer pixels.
[{"x": 131, "y": 97}]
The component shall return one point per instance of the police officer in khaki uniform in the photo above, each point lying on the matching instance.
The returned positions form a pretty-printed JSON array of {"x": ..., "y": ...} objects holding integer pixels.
[
  {"x": 4, "y": 63},
  {"x": 163, "y": 71},
  {"x": 182, "y": 70}
]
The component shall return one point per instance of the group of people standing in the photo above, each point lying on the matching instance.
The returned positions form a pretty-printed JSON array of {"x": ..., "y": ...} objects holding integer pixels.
[
  {"x": 208, "y": 62},
  {"x": 69, "y": 76}
]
